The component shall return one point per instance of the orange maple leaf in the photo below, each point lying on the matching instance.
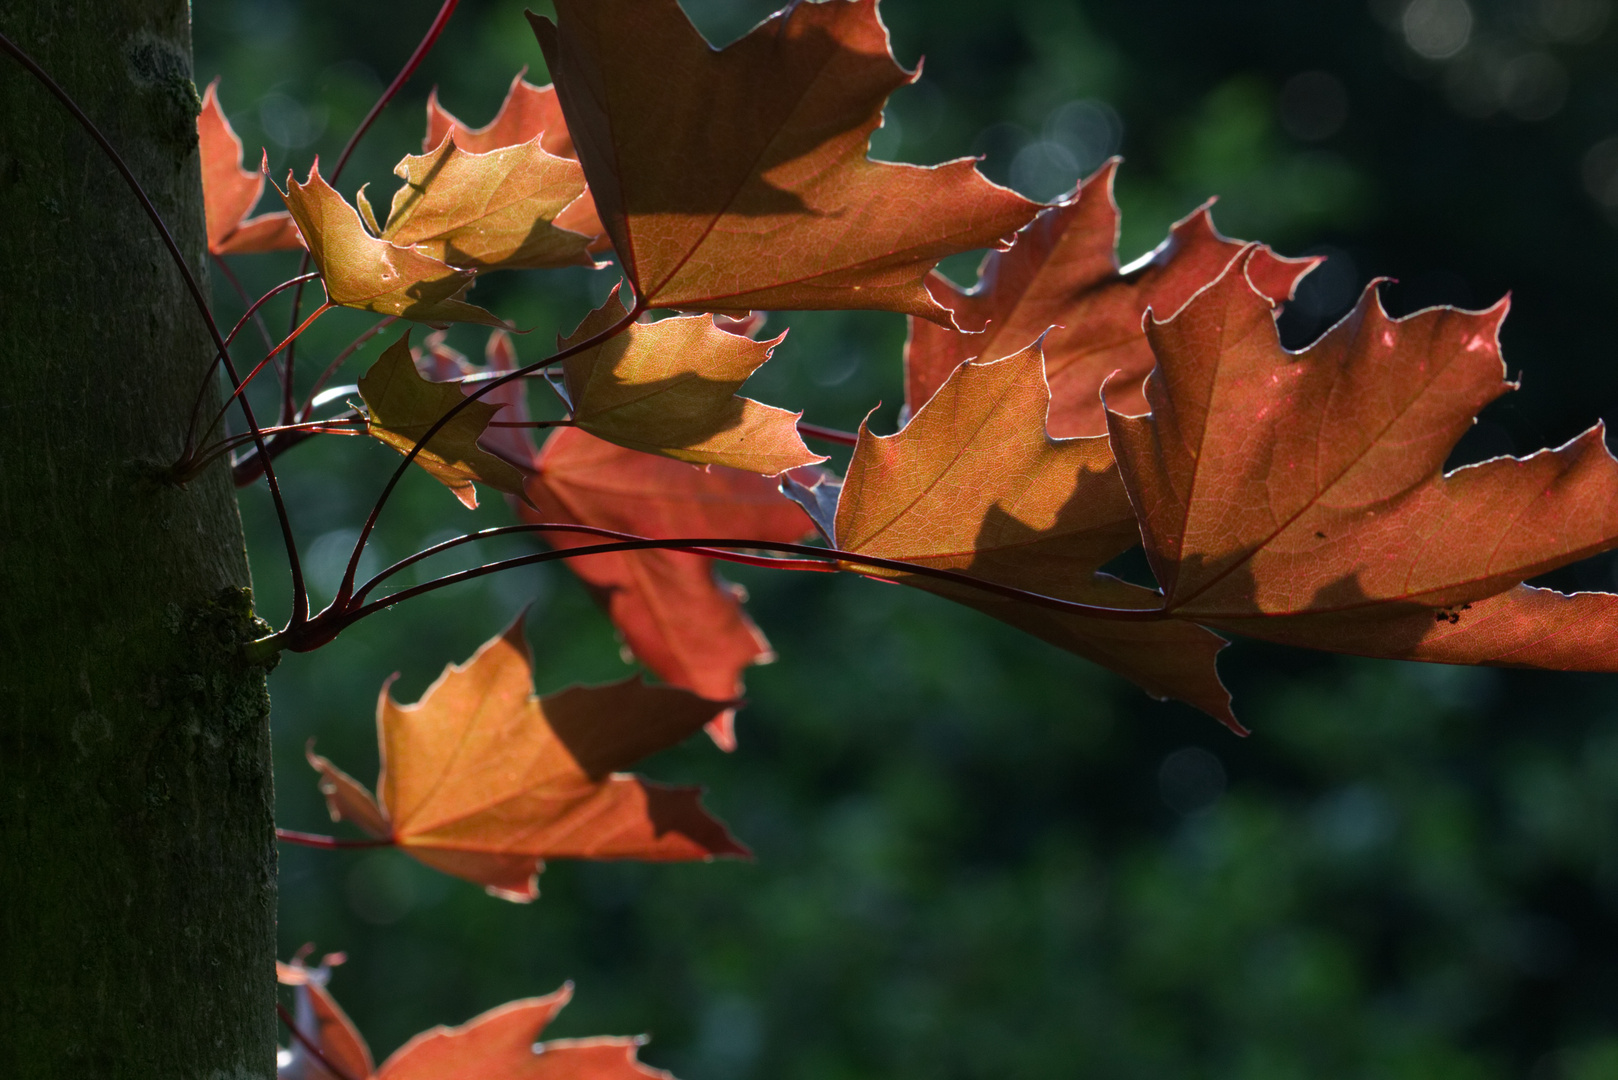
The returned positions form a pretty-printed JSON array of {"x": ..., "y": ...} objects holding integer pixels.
[
  {"x": 486, "y": 211},
  {"x": 483, "y": 780},
  {"x": 1061, "y": 275},
  {"x": 362, "y": 271},
  {"x": 678, "y": 618},
  {"x": 669, "y": 388},
  {"x": 229, "y": 192},
  {"x": 974, "y": 484},
  {"x": 527, "y": 111},
  {"x": 738, "y": 178},
  {"x": 1301, "y": 498},
  {"x": 502, "y": 1042}
]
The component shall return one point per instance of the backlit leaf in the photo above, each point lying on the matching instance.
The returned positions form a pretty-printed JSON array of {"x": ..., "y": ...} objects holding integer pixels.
[
  {"x": 362, "y": 271},
  {"x": 675, "y": 614},
  {"x": 402, "y": 406},
  {"x": 738, "y": 178},
  {"x": 229, "y": 192},
  {"x": 527, "y": 111},
  {"x": 483, "y": 780},
  {"x": 1302, "y": 497},
  {"x": 501, "y": 1044},
  {"x": 1061, "y": 275},
  {"x": 669, "y": 387},
  {"x": 490, "y": 210},
  {"x": 974, "y": 484}
]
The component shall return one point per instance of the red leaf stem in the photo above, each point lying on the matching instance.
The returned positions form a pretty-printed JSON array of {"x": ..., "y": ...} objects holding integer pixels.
[
  {"x": 316, "y": 840},
  {"x": 826, "y": 434}
]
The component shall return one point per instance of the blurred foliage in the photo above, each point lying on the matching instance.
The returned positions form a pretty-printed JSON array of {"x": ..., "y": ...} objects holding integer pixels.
[{"x": 978, "y": 857}]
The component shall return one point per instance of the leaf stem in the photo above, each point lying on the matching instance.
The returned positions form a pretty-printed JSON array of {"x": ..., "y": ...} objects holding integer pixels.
[
  {"x": 252, "y": 310},
  {"x": 250, "y": 467},
  {"x": 316, "y": 840},
  {"x": 350, "y": 423},
  {"x": 290, "y": 338},
  {"x": 826, "y": 434}
]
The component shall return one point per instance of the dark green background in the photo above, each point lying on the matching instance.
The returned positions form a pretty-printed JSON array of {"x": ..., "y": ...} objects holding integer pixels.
[{"x": 977, "y": 856}]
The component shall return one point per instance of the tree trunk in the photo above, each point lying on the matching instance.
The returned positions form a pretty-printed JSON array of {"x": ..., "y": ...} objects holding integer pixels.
[{"x": 137, "y": 860}]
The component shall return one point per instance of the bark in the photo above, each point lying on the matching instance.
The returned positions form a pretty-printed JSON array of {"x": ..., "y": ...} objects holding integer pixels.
[{"x": 137, "y": 861}]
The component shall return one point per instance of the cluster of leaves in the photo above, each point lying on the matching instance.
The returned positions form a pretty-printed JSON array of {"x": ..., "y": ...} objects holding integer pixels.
[{"x": 1060, "y": 414}]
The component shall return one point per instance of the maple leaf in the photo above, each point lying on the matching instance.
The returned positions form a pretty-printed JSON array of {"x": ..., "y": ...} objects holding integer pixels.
[
  {"x": 1061, "y": 275},
  {"x": 362, "y": 271},
  {"x": 738, "y": 178},
  {"x": 1301, "y": 498},
  {"x": 681, "y": 621},
  {"x": 501, "y": 1043},
  {"x": 974, "y": 484},
  {"x": 403, "y": 406},
  {"x": 526, "y": 112},
  {"x": 483, "y": 780},
  {"x": 229, "y": 192},
  {"x": 669, "y": 387},
  {"x": 493, "y": 210}
]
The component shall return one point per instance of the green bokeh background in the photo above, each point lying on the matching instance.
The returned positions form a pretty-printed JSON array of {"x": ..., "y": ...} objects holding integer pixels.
[{"x": 977, "y": 856}]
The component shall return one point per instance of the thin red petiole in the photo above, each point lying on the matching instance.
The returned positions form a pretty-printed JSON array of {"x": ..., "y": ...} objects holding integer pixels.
[
  {"x": 242, "y": 386},
  {"x": 308, "y": 1044},
  {"x": 509, "y": 530},
  {"x": 336, "y": 425},
  {"x": 316, "y": 840},
  {"x": 250, "y": 467},
  {"x": 252, "y": 310},
  {"x": 300, "y": 610},
  {"x": 826, "y": 434}
]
